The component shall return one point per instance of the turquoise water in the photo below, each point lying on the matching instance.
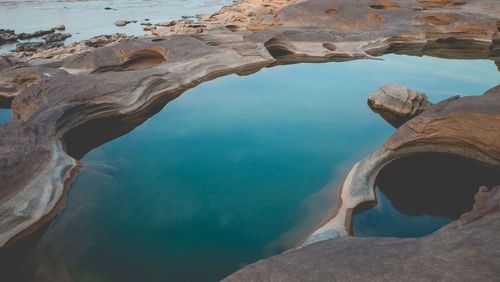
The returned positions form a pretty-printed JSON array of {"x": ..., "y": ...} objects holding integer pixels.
[
  {"x": 384, "y": 220},
  {"x": 234, "y": 170},
  {"x": 5, "y": 115}
]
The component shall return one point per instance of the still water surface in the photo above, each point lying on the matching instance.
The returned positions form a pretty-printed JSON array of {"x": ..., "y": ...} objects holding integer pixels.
[
  {"x": 5, "y": 115},
  {"x": 234, "y": 170}
]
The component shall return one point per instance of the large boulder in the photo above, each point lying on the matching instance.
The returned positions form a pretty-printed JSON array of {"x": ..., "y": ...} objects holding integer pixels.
[{"x": 398, "y": 104}]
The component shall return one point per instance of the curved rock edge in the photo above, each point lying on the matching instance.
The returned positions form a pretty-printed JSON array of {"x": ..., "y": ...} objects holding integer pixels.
[{"x": 44, "y": 111}]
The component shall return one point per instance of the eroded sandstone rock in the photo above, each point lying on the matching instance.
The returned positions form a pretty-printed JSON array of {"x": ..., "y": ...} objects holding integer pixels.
[
  {"x": 119, "y": 81},
  {"x": 467, "y": 127},
  {"x": 398, "y": 104}
]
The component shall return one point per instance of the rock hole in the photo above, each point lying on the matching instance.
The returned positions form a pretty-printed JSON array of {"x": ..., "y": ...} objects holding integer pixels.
[
  {"x": 385, "y": 6},
  {"x": 277, "y": 48},
  {"x": 82, "y": 138},
  {"x": 330, "y": 46},
  {"x": 144, "y": 59},
  {"x": 419, "y": 194},
  {"x": 232, "y": 27},
  {"x": 331, "y": 10}
]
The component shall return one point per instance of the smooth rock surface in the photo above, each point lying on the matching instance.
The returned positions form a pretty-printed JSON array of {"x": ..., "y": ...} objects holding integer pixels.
[
  {"x": 398, "y": 104},
  {"x": 124, "y": 79}
]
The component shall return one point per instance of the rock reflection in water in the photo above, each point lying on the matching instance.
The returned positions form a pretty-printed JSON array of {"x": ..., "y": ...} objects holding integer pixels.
[{"x": 420, "y": 194}]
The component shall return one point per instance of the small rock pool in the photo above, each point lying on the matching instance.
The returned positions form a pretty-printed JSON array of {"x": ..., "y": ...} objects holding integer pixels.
[
  {"x": 417, "y": 195},
  {"x": 234, "y": 170}
]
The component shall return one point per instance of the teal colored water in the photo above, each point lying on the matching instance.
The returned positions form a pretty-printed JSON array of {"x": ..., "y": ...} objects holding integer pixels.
[
  {"x": 384, "y": 220},
  {"x": 234, "y": 170},
  {"x": 5, "y": 115},
  {"x": 419, "y": 194}
]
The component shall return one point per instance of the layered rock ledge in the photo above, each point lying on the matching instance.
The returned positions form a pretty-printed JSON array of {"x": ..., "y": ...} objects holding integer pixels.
[{"x": 68, "y": 100}]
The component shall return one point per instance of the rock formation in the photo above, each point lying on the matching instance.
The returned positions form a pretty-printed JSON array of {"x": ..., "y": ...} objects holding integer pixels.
[
  {"x": 398, "y": 104},
  {"x": 461, "y": 251},
  {"x": 68, "y": 100},
  {"x": 468, "y": 127},
  {"x": 9, "y": 36}
]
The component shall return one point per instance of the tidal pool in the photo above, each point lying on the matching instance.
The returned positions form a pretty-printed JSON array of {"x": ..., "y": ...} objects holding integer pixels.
[
  {"x": 234, "y": 170},
  {"x": 88, "y": 18}
]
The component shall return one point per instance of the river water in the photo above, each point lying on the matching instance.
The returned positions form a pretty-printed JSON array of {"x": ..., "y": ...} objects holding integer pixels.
[{"x": 88, "y": 18}]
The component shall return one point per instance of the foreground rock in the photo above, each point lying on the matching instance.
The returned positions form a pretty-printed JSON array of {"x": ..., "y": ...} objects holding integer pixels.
[
  {"x": 398, "y": 104},
  {"x": 462, "y": 251}
]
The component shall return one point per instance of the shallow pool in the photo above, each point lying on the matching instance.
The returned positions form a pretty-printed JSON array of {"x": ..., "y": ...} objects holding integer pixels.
[{"x": 234, "y": 170}]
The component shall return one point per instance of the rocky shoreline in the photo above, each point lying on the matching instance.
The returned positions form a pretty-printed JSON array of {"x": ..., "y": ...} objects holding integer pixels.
[{"x": 67, "y": 100}]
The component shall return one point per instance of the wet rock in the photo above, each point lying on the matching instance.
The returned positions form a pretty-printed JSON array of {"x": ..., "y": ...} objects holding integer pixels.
[
  {"x": 146, "y": 23},
  {"x": 34, "y": 46},
  {"x": 123, "y": 22},
  {"x": 39, "y": 33},
  {"x": 29, "y": 46},
  {"x": 54, "y": 37},
  {"x": 398, "y": 104},
  {"x": 60, "y": 27},
  {"x": 109, "y": 8},
  {"x": 7, "y": 36},
  {"x": 166, "y": 24}
]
